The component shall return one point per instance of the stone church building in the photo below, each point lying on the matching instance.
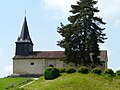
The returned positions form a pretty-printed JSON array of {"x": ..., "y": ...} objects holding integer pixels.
[{"x": 27, "y": 61}]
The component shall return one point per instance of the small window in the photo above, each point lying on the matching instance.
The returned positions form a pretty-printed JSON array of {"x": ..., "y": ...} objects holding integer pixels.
[{"x": 32, "y": 63}]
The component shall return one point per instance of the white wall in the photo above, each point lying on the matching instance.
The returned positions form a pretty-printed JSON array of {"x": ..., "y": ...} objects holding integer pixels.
[{"x": 24, "y": 66}]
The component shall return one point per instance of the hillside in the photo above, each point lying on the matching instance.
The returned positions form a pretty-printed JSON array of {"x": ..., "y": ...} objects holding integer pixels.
[
  {"x": 12, "y": 83},
  {"x": 77, "y": 81}
]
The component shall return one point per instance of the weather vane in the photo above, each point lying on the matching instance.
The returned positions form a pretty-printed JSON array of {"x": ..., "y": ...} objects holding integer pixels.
[{"x": 25, "y": 12}]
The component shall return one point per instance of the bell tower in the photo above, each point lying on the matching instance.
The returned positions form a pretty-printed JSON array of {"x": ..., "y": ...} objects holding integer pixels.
[{"x": 24, "y": 43}]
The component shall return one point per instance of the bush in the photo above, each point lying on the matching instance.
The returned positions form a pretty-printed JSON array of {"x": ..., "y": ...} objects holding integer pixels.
[
  {"x": 61, "y": 70},
  {"x": 83, "y": 70},
  {"x": 96, "y": 71},
  {"x": 51, "y": 73},
  {"x": 109, "y": 71},
  {"x": 70, "y": 70},
  {"x": 118, "y": 72}
]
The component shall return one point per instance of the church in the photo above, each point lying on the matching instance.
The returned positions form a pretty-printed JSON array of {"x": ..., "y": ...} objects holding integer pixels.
[{"x": 29, "y": 62}]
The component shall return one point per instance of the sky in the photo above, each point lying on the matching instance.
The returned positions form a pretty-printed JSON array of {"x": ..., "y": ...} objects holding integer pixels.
[{"x": 43, "y": 17}]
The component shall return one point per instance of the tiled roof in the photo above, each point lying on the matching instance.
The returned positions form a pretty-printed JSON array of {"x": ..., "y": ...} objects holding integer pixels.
[
  {"x": 55, "y": 55},
  {"x": 43, "y": 54}
]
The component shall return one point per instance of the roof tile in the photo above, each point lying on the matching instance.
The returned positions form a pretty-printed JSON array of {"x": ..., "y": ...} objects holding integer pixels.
[{"x": 54, "y": 55}]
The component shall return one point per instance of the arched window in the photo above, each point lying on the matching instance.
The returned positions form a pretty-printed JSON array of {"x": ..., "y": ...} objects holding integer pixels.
[{"x": 51, "y": 65}]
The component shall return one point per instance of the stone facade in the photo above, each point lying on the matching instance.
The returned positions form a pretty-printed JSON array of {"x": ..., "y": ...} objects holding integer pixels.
[{"x": 34, "y": 66}]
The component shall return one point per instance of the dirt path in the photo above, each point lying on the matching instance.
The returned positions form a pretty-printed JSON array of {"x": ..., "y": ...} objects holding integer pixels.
[{"x": 29, "y": 82}]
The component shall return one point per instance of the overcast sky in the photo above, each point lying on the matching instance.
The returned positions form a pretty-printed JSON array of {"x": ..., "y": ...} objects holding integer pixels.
[{"x": 43, "y": 17}]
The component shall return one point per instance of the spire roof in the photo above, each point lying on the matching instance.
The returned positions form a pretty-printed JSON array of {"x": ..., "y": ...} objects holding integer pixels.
[
  {"x": 24, "y": 36},
  {"x": 24, "y": 32}
]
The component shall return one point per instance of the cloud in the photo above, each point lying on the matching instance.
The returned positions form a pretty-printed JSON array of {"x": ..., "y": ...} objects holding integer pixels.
[
  {"x": 6, "y": 70},
  {"x": 61, "y": 7},
  {"x": 109, "y": 8},
  {"x": 116, "y": 24}
]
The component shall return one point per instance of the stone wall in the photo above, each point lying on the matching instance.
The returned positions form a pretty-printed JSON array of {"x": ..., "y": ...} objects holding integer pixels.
[
  {"x": 37, "y": 66},
  {"x": 34, "y": 66},
  {"x": 28, "y": 66}
]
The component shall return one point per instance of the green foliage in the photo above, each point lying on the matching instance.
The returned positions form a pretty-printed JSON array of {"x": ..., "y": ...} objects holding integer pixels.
[
  {"x": 118, "y": 72},
  {"x": 70, "y": 70},
  {"x": 82, "y": 35},
  {"x": 62, "y": 70},
  {"x": 96, "y": 71},
  {"x": 109, "y": 72},
  {"x": 83, "y": 70},
  {"x": 51, "y": 73}
]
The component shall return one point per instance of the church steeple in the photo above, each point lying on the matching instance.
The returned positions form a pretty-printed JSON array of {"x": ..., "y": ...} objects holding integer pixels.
[
  {"x": 24, "y": 36},
  {"x": 24, "y": 43},
  {"x": 24, "y": 32}
]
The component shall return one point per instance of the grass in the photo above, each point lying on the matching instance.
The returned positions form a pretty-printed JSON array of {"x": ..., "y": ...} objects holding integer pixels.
[
  {"x": 12, "y": 83},
  {"x": 77, "y": 81}
]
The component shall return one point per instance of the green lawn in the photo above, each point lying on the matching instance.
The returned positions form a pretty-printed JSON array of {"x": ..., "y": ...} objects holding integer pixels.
[
  {"x": 12, "y": 83},
  {"x": 77, "y": 81}
]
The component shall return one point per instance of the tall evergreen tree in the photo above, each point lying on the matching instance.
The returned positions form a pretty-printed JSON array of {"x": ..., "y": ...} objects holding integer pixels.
[{"x": 83, "y": 34}]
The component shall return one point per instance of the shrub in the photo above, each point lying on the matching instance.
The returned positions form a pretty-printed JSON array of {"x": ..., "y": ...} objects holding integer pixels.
[
  {"x": 83, "y": 70},
  {"x": 118, "y": 72},
  {"x": 61, "y": 70},
  {"x": 51, "y": 73},
  {"x": 109, "y": 71},
  {"x": 96, "y": 71},
  {"x": 70, "y": 70}
]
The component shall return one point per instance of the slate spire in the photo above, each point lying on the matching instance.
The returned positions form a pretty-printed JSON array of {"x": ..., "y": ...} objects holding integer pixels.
[{"x": 24, "y": 36}]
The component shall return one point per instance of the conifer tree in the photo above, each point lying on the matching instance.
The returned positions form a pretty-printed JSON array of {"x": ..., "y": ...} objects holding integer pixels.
[{"x": 83, "y": 34}]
